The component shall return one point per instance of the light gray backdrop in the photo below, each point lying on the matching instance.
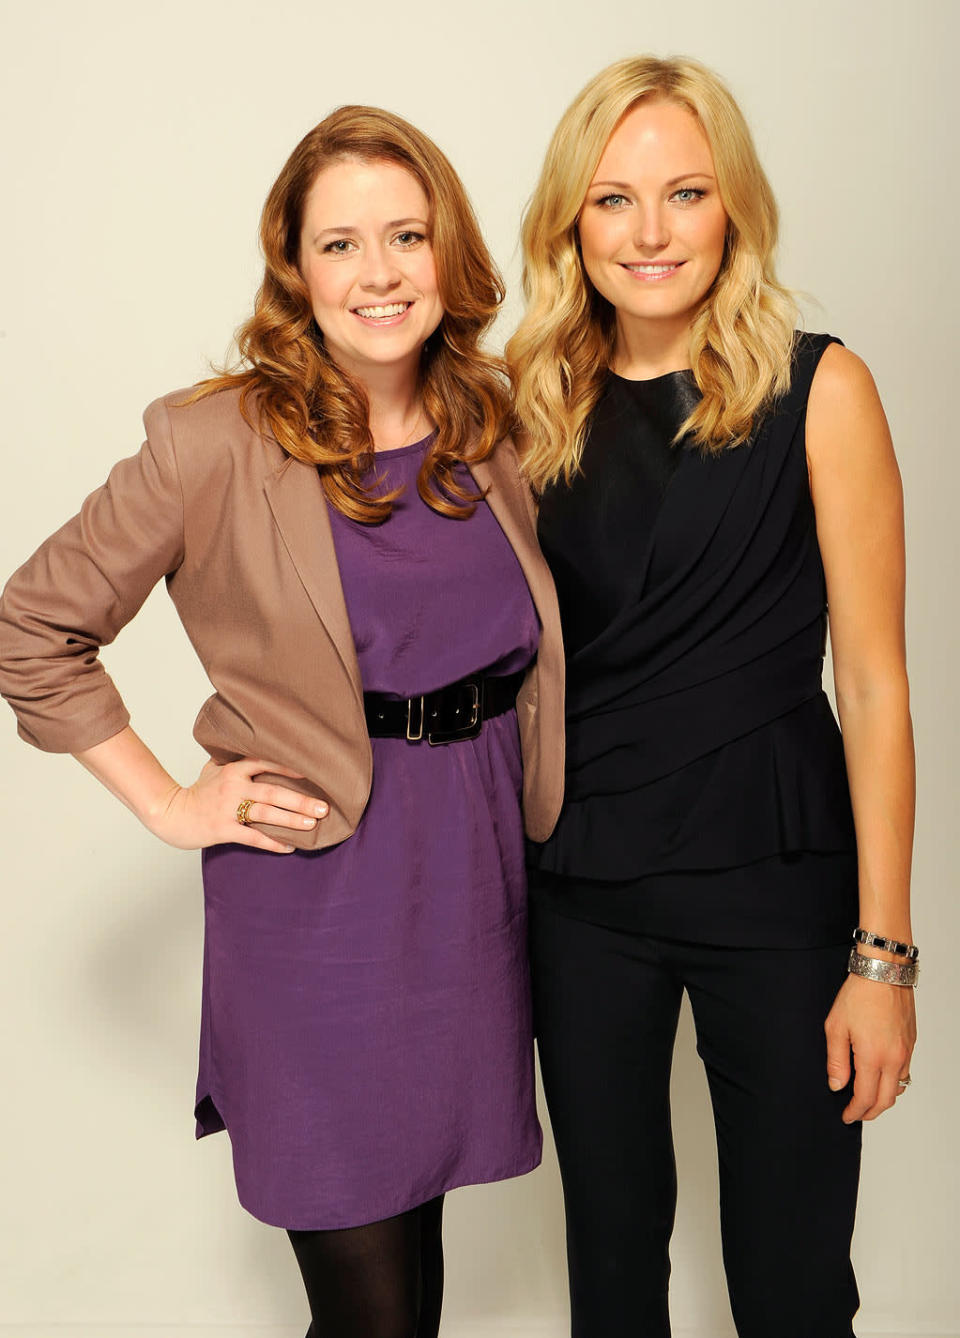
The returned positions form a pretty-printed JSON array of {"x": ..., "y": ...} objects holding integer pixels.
[{"x": 140, "y": 142}]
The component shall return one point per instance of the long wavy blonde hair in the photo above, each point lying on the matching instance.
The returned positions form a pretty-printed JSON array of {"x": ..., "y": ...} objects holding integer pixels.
[
  {"x": 317, "y": 411},
  {"x": 740, "y": 340}
]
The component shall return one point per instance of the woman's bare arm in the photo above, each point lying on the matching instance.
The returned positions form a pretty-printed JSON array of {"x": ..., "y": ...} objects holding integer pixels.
[{"x": 855, "y": 484}]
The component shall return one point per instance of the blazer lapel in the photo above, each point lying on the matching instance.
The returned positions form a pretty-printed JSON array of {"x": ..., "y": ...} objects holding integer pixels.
[
  {"x": 510, "y": 504},
  {"x": 299, "y": 508}
]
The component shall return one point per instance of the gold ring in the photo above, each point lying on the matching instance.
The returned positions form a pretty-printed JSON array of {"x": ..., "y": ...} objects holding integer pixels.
[{"x": 243, "y": 808}]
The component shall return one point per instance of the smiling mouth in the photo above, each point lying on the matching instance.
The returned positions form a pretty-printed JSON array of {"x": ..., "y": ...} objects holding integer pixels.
[
  {"x": 391, "y": 311},
  {"x": 655, "y": 272}
]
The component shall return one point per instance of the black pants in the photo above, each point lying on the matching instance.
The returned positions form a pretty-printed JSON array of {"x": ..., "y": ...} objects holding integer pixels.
[
  {"x": 606, "y": 1007},
  {"x": 383, "y": 1280}
]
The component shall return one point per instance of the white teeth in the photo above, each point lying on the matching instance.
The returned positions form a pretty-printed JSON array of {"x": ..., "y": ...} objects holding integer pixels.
[
  {"x": 653, "y": 269},
  {"x": 377, "y": 313}
]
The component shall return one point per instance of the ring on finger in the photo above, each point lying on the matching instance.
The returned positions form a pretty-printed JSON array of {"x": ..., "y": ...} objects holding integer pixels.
[
  {"x": 904, "y": 1083},
  {"x": 243, "y": 809}
]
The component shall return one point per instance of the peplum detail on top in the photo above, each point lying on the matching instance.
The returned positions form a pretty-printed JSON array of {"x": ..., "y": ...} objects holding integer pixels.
[{"x": 787, "y": 776}]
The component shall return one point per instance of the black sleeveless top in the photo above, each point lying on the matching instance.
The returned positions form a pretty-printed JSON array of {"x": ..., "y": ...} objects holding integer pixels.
[{"x": 693, "y": 603}]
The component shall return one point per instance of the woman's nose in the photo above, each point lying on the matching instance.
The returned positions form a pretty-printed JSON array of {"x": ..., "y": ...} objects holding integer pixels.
[
  {"x": 652, "y": 232},
  {"x": 379, "y": 271}
]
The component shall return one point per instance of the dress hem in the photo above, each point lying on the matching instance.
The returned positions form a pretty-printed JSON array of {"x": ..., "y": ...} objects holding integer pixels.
[
  {"x": 208, "y": 1105},
  {"x": 402, "y": 1205}
]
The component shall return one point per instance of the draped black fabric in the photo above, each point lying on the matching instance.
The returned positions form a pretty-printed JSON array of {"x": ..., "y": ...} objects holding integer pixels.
[{"x": 693, "y": 601}]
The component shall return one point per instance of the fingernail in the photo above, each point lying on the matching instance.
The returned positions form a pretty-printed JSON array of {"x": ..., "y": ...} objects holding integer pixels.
[
  {"x": 834, "y": 1084},
  {"x": 321, "y": 810},
  {"x": 288, "y": 850},
  {"x": 309, "y": 822}
]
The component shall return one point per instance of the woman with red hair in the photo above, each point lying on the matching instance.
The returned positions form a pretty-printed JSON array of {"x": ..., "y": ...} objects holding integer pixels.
[{"x": 341, "y": 525}]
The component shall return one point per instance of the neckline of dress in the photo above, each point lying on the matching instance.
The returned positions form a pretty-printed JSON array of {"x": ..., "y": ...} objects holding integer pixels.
[
  {"x": 685, "y": 372},
  {"x": 394, "y": 451}
]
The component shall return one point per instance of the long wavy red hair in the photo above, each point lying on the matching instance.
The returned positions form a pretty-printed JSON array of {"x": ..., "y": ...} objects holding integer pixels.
[{"x": 318, "y": 412}]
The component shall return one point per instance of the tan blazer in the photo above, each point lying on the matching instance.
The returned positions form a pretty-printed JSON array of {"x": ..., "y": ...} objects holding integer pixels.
[{"x": 240, "y": 532}]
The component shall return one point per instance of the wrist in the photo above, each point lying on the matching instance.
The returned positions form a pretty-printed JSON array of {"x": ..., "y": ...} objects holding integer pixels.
[
  {"x": 155, "y": 808},
  {"x": 895, "y": 972},
  {"x": 871, "y": 943},
  {"x": 129, "y": 770}
]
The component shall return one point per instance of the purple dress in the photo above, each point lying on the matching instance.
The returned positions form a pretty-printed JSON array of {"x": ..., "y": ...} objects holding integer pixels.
[{"x": 366, "y": 1032}]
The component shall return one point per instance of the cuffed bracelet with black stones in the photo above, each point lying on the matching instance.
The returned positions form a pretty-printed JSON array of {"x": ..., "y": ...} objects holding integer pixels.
[
  {"x": 871, "y": 940},
  {"x": 888, "y": 973}
]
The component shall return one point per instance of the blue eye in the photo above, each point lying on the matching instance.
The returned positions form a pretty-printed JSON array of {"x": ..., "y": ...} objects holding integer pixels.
[
  {"x": 687, "y": 194},
  {"x": 612, "y": 201}
]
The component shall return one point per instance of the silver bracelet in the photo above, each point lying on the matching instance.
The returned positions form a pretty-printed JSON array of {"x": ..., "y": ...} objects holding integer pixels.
[{"x": 888, "y": 973}]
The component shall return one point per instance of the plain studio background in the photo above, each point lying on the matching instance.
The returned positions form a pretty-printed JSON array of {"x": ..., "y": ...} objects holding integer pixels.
[{"x": 140, "y": 144}]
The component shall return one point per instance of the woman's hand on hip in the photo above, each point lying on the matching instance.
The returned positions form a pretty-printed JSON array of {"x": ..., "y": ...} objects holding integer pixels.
[
  {"x": 206, "y": 812},
  {"x": 873, "y": 1026}
]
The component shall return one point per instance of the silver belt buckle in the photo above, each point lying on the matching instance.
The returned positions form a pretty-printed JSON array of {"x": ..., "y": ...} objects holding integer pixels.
[{"x": 415, "y": 731}]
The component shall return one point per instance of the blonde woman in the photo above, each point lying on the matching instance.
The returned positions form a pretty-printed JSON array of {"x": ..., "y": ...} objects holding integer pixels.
[
  {"x": 319, "y": 517},
  {"x": 710, "y": 481}
]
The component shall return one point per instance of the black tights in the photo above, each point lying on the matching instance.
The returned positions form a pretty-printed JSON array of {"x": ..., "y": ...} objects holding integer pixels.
[{"x": 384, "y": 1280}]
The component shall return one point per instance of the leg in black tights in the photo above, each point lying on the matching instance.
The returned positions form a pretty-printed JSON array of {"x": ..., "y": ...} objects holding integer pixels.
[{"x": 383, "y": 1280}]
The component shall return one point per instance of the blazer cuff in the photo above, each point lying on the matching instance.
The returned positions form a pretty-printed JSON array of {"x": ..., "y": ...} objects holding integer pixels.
[{"x": 72, "y": 735}]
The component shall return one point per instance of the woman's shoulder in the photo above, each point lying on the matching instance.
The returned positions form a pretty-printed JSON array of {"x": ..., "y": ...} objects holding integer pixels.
[
  {"x": 822, "y": 368},
  {"x": 831, "y": 362},
  {"x": 841, "y": 371},
  {"x": 210, "y": 426},
  {"x": 193, "y": 410},
  {"x": 845, "y": 418},
  {"x": 808, "y": 343},
  {"x": 840, "y": 384}
]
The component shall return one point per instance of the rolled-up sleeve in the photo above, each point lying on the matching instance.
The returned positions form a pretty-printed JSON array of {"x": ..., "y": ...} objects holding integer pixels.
[{"x": 79, "y": 589}]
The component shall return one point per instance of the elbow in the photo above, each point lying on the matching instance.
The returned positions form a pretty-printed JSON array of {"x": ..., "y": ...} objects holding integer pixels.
[{"x": 861, "y": 692}]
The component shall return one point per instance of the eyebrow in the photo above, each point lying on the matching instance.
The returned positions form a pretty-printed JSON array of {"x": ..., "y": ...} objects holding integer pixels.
[
  {"x": 341, "y": 228},
  {"x": 674, "y": 181}
]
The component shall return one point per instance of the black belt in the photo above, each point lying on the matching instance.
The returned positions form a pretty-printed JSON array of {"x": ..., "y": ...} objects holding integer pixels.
[{"x": 445, "y": 716}]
